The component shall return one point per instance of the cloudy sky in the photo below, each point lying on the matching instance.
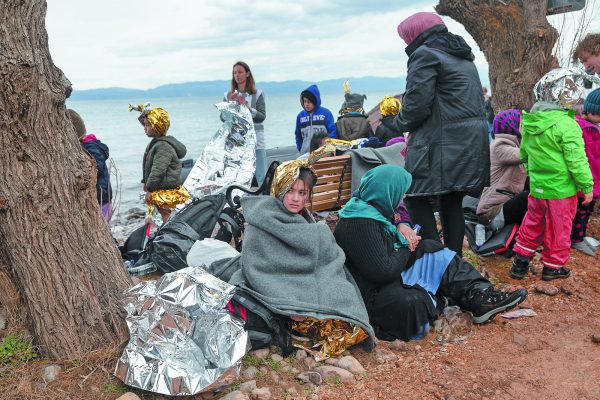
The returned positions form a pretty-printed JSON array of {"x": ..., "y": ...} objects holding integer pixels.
[{"x": 143, "y": 44}]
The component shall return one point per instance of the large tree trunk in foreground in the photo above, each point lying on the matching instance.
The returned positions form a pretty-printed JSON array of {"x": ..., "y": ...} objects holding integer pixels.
[
  {"x": 54, "y": 244},
  {"x": 516, "y": 40}
]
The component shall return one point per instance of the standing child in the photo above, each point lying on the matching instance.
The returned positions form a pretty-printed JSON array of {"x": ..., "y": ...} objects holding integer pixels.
[
  {"x": 99, "y": 151},
  {"x": 161, "y": 164},
  {"x": 553, "y": 154},
  {"x": 312, "y": 119},
  {"x": 591, "y": 136}
]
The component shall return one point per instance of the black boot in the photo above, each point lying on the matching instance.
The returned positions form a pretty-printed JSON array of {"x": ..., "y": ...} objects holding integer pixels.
[
  {"x": 549, "y": 274},
  {"x": 520, "y": 267},
  {"x": 486, "y": 304}
]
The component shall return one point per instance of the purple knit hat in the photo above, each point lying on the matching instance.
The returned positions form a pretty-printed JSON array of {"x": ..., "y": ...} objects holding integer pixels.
[
  {"x": 508, "y": 122},
  {"x": 416, "y": 24}
]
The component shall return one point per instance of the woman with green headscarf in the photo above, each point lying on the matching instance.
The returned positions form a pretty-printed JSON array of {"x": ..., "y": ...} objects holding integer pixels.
[{"x": 405, "y": 281}]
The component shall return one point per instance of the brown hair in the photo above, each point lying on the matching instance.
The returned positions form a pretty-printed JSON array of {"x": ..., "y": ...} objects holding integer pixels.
[
  {"x": 590, "y": 45},
  {"x": 78, "y": 124},
  {"x": 250, "y": 85},
  {"x": 310, "y": 180}
]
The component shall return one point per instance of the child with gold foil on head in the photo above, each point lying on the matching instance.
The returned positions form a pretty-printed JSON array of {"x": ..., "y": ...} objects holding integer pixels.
[{"x": 161, "y": 163}]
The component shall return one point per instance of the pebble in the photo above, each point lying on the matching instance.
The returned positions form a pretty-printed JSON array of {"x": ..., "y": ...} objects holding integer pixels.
[
  {"x": 351, "y": 364},
  {"x": 260, "y": 353},
  {"x": 248, "y": 387},
  {"x": 128, "y": 396},
  {"x": 235, "y": 395},
  {"x": 329, "y": 371},
  {"x": 566, "y": 290},
  {"x": 276, "y": 357},
  {"x": 50, "y": 373},
  {"x": 301, "y": 355},
  {"x": 261, "y": 394},
  {"x": 550, "y": 290},
  {"x": 399, "y": 345},
  {"x": 309, "y": 362},
  {"x": 383, "y": 355},
  {"x": 417, "y": 347},
  {"x": 310, "y": 377},
  {"x": 250, "y": 372}
]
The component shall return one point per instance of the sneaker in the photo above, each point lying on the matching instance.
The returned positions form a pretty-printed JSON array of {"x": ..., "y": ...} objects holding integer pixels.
[
  {"x": 519, "y": 268},
  {"x": 592, "y": 242},
  {"x": 549, "y": 274},
  {"x": 486, "y": 304},
  {"x": 584, "y": 248}
]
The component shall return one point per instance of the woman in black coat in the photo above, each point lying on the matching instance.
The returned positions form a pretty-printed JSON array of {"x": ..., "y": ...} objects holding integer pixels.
[{"x": 443, "y": 109}]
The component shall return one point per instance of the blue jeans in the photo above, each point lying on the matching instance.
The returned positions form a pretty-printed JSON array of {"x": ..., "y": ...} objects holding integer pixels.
[{"x": 261, "y": 165}]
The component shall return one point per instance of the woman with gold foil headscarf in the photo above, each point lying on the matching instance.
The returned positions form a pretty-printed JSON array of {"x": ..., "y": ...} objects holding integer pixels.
[
  {"x": 161, "y": 163},
  {"x": 291, "y": 264},
  {"x": 389, "y": 108}
]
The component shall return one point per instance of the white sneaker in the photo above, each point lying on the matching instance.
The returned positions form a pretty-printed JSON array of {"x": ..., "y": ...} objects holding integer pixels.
[{"x": 592, "y": 242}]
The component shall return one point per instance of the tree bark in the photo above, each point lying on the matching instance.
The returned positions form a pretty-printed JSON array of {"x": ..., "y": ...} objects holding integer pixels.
[
  {"x": 55, "y": 246},
  {"x": 517, "y": 41}
]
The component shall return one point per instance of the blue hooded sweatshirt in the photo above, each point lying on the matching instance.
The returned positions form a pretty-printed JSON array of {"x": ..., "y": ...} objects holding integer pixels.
[{"x": 308, "y": 124}]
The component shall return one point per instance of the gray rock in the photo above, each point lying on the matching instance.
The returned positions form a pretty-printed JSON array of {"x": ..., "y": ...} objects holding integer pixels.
[
  {"x": 250, "y": 372},
  {"x": 328, "y": 372},
  {"x": 309, "y": 362},
  {"x": 50, "y": 373},
  {"x": 545, "y": 288},
  {"x": 351, "y": 364},
  {"x": 235, "y": 395},
  {"x": 275, "y": 377},
  {"x": 383, "y": 355},
  {"x": 276, "y": 357},
  {"x": 261, "y": 394},
  {"x": 301, "y": 355},
  {"x": 399, "y": 345},
  {"x": 128, "y": 396},
  {"x": 248, "y": 387},
  {"x": 310, "y": 377},
  {"x": 261, "y": 353},
  {"x": 332, "y": 361}
]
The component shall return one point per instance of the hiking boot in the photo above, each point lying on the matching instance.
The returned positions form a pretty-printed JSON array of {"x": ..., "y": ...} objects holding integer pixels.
[
  {"x": 519, "y": 268},
  {"x": 549, "y": 274},
  {"x": 486, "y": 304},
  {"x": 584, "y": 248}
]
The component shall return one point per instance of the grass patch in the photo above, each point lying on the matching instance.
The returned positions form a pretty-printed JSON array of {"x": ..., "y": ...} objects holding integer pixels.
[
  {"x": 335, "y": 380},
  {"x": 116, "y": 388},
  {"x": 275, "y": 365},
  {"x": 16, "y": 349},
  {"x": 250, "y": 359}
]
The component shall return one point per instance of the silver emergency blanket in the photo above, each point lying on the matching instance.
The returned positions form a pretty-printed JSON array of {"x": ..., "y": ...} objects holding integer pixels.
[
  {"x": 564, "y": 86},
  {"x": 182, "y": 339},
  {"x": 229, "y": 157}
]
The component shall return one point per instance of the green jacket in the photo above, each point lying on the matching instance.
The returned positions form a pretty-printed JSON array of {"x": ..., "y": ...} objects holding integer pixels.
[
  {"x": 162, "y": 168},
  {"x": 553, "y": 153}
]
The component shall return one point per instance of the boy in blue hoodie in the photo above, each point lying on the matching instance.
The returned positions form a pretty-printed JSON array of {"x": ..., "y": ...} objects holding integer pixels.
[{"x": 312, "y": 119}]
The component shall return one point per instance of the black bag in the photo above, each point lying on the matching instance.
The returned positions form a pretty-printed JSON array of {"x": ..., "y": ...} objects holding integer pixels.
[{"x": 263, "y": 326}]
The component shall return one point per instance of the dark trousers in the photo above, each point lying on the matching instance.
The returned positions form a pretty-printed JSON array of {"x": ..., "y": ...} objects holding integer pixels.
[
  {"x": 580, "y": 222},
  {"x": 514, "y": 210},
  {"x": 451, "y": 214}
]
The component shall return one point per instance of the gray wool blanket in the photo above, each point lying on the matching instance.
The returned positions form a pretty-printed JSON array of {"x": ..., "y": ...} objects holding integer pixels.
[
  {"x": 294, "y": 267},
  {"x": 368, "y": 158}
]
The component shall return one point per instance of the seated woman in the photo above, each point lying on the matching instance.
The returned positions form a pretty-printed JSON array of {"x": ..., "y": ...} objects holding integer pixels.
[
  {"x": 294, "y": 265},
  {"x": 405, "y": 281},
  {"x": 507, "y": 174}
]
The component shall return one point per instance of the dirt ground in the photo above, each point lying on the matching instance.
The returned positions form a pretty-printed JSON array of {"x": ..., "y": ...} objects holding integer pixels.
[{"x": 554, "y": 354}]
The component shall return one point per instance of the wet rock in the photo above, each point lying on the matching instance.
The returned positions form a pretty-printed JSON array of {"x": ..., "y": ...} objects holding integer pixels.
[
  {"x": 50, "y": 373},
  {"x": 235, "y": 395},
  {"x": 545, "y": 288},
  {"x": 248, "y": 387},
  {"x": 351, "y": 364},
  {"x": 276, "y": 357},
  {"x": 261, "y": 394},
  {"x": 128, "y": 396},
  {"x": 519, "y": 339},
  {"x": 383, "y": 355},
  {"x": 596, "y": 339},
  {"x": 250, "y": 372},
  {"x": 399, "y": 345},
  {"x": 301, "y": 355},
  {"x": 310, "y": 377},
  {"x": 260, "y": 353},
  {"x": 309, "y": 362},
  {"x": 328, "y": 372}
]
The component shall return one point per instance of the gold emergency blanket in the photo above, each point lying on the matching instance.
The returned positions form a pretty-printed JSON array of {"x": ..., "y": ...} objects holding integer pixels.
[
  {"x": 331, "y": 337},
  {"x": 167, "y": 198}
]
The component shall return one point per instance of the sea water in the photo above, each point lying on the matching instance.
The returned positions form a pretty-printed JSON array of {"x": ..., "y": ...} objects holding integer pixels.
[{"x": 194, "y": 121}]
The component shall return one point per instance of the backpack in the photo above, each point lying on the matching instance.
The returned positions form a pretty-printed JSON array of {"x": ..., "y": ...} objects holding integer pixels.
[{"x": 264, "y": 327}]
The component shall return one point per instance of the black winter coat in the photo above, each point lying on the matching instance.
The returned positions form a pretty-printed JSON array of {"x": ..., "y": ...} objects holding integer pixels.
[
  {"x": 387, "y": 129},
  {"x": 443, "y": 109},
  {"x": 99, "y": 151}
]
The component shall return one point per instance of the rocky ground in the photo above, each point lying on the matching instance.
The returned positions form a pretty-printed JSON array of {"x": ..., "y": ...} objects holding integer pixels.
[{"x": 554, "y": 354}]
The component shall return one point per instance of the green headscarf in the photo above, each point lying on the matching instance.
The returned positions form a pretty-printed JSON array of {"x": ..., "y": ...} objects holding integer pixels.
[{"x": 381, "y": 191}]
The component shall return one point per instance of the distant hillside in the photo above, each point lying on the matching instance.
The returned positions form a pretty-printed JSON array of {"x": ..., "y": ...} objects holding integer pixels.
[{"x": 217, "y": 88}]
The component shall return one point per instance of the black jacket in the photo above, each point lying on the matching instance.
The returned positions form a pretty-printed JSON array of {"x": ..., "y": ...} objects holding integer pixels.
[
  {"x": 387, "y": 129},
  {"x": 99, "y": 151},
  {"x": 443, "y": 109}
]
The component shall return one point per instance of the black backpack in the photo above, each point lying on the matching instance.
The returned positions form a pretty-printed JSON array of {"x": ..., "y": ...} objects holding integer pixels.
[{"x": 263, "y": 326}]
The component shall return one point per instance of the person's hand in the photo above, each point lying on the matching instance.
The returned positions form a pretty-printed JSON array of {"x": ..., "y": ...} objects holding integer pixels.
[
  {"x": 411, "y": 237},
  {"x": 587, "y": 198},
  {"x": 147, "y": 197}
]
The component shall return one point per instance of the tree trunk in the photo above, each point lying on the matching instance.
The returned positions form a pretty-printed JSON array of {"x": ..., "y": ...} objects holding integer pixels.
[
  {"x": 516, "y": 39},
  {"x": 54, "y": 244}
]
